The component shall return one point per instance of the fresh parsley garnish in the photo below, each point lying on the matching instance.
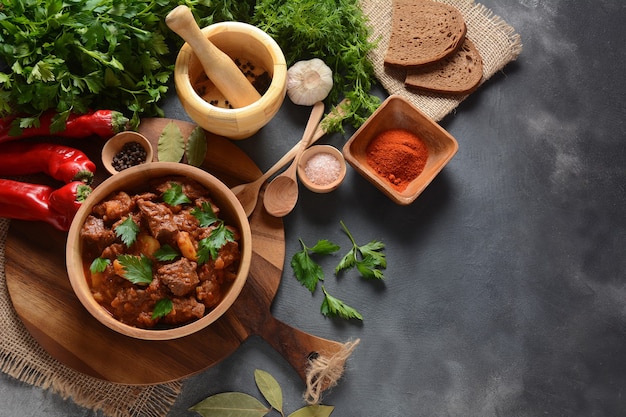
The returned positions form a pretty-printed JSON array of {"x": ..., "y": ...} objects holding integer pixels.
[
  {"x": 368, "y": 259},
  {"x": 127, "y": 231},
  {"x": 333, "y": 307},
  {"x": 99, "y": 265},
  {"x": 307, "y": 271},
  {"x": 175, "y": 196},
  {"x": 137, "y": 269},
  {"x": 210, "y": 246},
  {"x": 220, "y": 235},
  {"x": 205, "y": 214},
  {"x": 162, "y": 308},
  {"x": 166, "y": 253}
]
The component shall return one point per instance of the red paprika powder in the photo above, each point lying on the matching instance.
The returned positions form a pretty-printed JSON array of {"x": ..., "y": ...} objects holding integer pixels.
[{"x": 398, "y": 156}]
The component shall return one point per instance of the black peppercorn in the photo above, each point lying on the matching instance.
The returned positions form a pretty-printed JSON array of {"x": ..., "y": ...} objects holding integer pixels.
[{"x": 131, "y": 154}]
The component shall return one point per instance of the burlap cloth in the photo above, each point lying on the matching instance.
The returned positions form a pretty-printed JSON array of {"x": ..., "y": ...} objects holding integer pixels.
[
  {"x": 496, "y": 41},
  {"x": 22, "y": 358}
]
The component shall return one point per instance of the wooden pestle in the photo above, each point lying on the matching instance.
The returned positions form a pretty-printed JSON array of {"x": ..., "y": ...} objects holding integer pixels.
[{"x": 219, "y": 67}]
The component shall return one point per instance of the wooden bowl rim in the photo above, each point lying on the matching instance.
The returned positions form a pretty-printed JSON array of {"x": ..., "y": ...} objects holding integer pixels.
[
  {"x": 135, "y": 175},
  {"x": 449, "y": 147},
  {"x": 115, "y": 144},
  {"x": 245, "y": 120},
  {"x": 308, "y": 154}
]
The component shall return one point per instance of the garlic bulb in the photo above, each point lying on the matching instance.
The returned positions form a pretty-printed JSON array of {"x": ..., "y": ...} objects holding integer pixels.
[{"x": 309, "y": 82}]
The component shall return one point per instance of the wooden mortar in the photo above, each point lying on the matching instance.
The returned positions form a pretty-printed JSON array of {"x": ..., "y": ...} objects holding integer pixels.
[{"x": 219, "y": 67}]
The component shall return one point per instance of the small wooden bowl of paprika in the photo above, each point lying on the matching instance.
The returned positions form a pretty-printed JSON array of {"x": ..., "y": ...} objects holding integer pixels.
[
  {"x": 400, "y": 150},
  {"x": 124, "y": 150}
]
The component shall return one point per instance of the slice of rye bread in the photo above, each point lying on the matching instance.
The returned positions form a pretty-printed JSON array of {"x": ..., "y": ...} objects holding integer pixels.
[
  {"x": 423, "y": 32},
  {"x": 459, "y": 73}
]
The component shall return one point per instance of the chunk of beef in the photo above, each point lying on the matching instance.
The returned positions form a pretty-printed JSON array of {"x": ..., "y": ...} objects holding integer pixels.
[
  {"x": 187, "y": 222},
  {"x": 115, "y": 207},
  {"x": 96, "y": 236},
  {"x": 113, "y": 250},
  {"x": 180, "y": 276},
  {"x": 129, "y": 304},
  {"x": 160, "y": 220},
  {"x": 209, "y": 293},
  {"x": 184, "y": 310}
]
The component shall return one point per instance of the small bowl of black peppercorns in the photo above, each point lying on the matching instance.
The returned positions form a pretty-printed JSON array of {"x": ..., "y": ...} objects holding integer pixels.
[{"x": 124, "y": 150}]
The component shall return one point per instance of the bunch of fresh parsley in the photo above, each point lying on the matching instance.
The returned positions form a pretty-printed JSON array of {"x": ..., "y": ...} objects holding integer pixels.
[
  {"x": 368, "y": 259},
  {"x": 76, "y": 55}
]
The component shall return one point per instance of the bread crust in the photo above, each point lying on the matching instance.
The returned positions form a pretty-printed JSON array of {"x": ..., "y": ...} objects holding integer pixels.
[
  {"x": 460, "y": 73},
  {"x": 423, "y": 32}
]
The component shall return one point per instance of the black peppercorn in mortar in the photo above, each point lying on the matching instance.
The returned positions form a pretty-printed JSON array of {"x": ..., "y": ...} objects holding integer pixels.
[{"x": 131, "y": 154}]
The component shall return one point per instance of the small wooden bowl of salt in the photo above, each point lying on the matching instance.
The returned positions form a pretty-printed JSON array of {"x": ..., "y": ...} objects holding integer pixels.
[{"x": 322, "y": 168}]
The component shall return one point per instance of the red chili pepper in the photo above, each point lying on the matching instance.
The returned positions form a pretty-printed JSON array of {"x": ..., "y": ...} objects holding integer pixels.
[
  {"x": 61, "y": 162},
  {"x": 103, "y": 123},
  {"x": 37, "y": 202},
  {"x": 68, "y": 199}
]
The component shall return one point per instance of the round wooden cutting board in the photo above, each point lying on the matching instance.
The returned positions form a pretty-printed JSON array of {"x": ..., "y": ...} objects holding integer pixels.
[{"x": 43, "y": 298}]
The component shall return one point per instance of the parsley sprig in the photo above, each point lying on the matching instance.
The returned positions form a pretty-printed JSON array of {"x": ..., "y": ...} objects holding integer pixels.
[
  {"x": 137, "y": 269},
  {"x": 166, "y": 253},
  {"x": 209, "y": 247},
  {"x": 175, "y": 196},
  {"x": 127, "y": 231},
  {"x": 368, "y": 259},
  {"x": 334, "y": 307},
  {"x": 99, "y": 265},
  {"x": 162, "y": 308},
  {"x": 307, "y": 271}
]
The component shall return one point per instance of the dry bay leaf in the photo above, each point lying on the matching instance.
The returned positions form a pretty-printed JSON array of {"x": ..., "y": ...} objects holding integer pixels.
[
  {"x": 313, "y": 411},
  {"x": 171, "y": 146},
  {"x": 270, "y": 389},
  {"x": 196, "y": 147},
  {"x": 230, "y": 404}
]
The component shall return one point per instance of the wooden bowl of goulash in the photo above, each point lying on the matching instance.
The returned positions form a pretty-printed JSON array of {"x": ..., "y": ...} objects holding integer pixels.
[{"x": 159, "y": 251}]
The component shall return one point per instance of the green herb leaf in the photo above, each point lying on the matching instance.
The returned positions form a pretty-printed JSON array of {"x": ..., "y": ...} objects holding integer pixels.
[
  {"x": 196, "y": 147},
  {"x": 162, "y": 308},
  {"x": 205, "y": 214},
  {"x": 229, "y": 404},
  {"x": 324, "y": 247},
  {"x": 333, "y": 307},
  {"x": 209, "y": 247},
  {"x": 270, "y": 389},
  {"x": 175, "y": 196},
  {"x": 166, "y": 253},
  {"x": 99, "y": 265},
  {"x": 127, "y": 231},
  {"x": 171, "y": 145},
  {"x": 307, "y": 271},
  {"x": 368, "y": 259},
  {"x": 313, "y": 411},
  {"x": 137, "y": 269},
  {"x": 334, "y": 31},
  {"x": 77, "y": 55}
]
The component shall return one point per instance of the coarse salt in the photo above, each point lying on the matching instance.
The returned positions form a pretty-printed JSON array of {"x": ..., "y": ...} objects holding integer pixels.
[{"x": 322, "y": 168}]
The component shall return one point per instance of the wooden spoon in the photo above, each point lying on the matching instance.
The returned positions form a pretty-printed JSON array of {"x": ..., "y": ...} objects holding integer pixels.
[
  {"x": 248, "y": 194},
  {"x": 219, "y": 67},
  {"x": 281, "y": 193}
]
